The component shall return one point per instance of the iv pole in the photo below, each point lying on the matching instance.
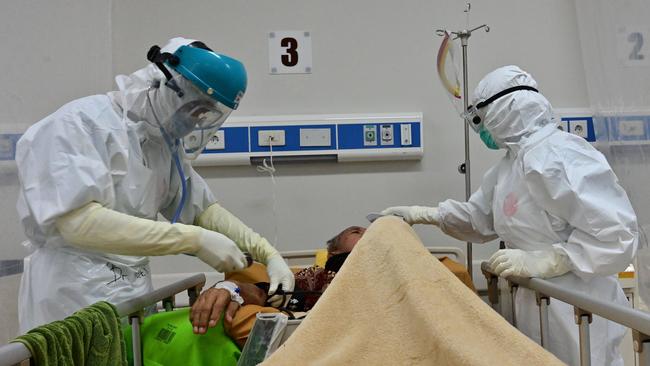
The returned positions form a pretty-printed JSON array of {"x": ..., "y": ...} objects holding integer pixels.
[{"x": 464, "y": 168}]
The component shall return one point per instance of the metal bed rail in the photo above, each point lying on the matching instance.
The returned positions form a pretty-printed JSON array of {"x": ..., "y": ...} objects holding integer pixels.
[
  {"x": 16, "y": 353},
  {"x": 584, "y": 307},
  {"x": 306, "y": 257}
]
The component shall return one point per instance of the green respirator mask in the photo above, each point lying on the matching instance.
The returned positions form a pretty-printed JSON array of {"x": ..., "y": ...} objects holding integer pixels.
[{"x": 487, "y": 139}]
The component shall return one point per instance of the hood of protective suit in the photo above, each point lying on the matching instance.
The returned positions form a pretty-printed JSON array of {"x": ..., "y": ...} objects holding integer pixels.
[
  {"x": 515, "y": 116},
  {"x": 131, "y": 97}
]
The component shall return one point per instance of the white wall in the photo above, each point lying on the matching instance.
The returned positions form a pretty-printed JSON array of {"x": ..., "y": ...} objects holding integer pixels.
[
  {"x": 369, "y": 56},
  {"x": 52, "y": 51}
]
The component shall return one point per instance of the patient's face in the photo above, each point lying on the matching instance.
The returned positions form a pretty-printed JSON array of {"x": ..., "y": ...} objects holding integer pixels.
[{"x": 348, "y": 239}]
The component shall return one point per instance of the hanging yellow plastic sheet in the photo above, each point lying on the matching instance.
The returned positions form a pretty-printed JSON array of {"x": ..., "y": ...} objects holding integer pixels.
[{"x": 448, "y": 71}]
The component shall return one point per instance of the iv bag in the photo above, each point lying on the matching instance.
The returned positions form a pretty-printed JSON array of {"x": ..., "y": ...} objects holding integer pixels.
[{"x": 448, "y": 71}]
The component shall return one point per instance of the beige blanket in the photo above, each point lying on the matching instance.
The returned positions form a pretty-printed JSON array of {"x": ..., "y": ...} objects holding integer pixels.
[{"x": 393, "y": 303}]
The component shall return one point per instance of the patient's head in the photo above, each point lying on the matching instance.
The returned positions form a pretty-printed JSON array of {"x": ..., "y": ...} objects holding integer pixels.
[{"x": 345, "y": 240}]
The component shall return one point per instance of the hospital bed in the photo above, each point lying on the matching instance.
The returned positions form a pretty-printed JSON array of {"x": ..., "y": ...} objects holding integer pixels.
[
  {"x": 173, "y": 295},
  {"x": 585, "y": 307}
]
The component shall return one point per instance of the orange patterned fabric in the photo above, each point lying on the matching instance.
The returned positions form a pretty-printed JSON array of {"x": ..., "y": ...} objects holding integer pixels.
[{"x": 244, "y": 320}]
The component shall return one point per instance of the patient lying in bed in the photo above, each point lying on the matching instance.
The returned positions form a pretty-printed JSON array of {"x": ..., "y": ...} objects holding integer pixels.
[
  {"x": 392, "y": 303},
  {"x": 310, "y": 283}
]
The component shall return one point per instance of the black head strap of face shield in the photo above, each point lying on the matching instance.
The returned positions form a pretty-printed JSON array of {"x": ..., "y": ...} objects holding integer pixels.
[
  {"x": 477, "y": 120},
  {"x": 159, "y": 58},
  {"x": 504, "y": 92}
]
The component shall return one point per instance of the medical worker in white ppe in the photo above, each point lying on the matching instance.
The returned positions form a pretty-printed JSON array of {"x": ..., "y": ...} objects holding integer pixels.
[
  {"x": 555, "y": 202},
  {"x": 96, "y": 173}
]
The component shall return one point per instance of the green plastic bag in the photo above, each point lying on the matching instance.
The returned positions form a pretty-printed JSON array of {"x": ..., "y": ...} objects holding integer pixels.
[{"x": 167, "y": 339}]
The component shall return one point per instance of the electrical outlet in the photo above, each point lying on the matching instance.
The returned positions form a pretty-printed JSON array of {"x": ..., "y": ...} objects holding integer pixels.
[
  {"x": 579, "y": 128},
  {"x": 266, "y": 137},
  {"x": 217, "y": 141}
]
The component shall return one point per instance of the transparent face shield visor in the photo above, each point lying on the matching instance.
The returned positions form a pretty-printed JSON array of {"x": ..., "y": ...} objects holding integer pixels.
[
  {"x": 197, "y": 121},
  {"x": 474, "y": 117},
  {"x": 199, "y": 112},
  {"x": 198, "y": 115}
]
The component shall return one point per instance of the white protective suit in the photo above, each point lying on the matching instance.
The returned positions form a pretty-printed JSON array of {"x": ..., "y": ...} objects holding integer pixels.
[
  {"x": 105, "y": 149},
  {"x": 81, "y": 153},
  {"x": 552, "y": 189}
]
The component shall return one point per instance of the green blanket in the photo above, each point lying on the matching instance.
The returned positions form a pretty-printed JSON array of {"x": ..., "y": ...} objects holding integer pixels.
[
  {"x": 91, "y": 336},
  {"x": 167, "y": 339}
]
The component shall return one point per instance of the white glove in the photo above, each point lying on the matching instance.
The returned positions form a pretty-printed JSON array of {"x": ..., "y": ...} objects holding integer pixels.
[
  {"x": 219, "y": 252},
  {"x": 414, "y": 214},
  {"x": 217, "y": 218},
  {"x": 538, "y": 263},
  {"x": 279, "y": 273}
]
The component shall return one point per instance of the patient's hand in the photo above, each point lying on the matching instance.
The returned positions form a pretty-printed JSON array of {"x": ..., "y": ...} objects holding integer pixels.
[{"x": 207, "y": 309}]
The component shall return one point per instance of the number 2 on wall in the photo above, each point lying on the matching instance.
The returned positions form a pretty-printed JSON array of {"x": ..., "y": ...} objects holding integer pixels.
[
  {"x": 291, "y": 57},
  {"x": 636, "y": 39}
]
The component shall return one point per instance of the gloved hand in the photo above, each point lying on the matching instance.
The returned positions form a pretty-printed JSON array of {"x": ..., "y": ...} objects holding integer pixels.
[
  {"x": 414, "y": 214},
  {"x": 219, "y": 252},
  {"x": 538, "y": 263},
  {"x": 279, "y": 273}
]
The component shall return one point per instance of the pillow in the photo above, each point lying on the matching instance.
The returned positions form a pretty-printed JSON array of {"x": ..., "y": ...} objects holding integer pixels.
[{"x": 321, "y": 258}]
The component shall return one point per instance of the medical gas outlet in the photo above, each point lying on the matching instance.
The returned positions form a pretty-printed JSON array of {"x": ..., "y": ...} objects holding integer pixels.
[
  {"x": 387, "y": 134},
  {"x": 369, "y": 135}
]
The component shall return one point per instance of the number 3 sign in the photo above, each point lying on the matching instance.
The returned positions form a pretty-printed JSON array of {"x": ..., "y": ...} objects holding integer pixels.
[{"x": 290, "y": 52}]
